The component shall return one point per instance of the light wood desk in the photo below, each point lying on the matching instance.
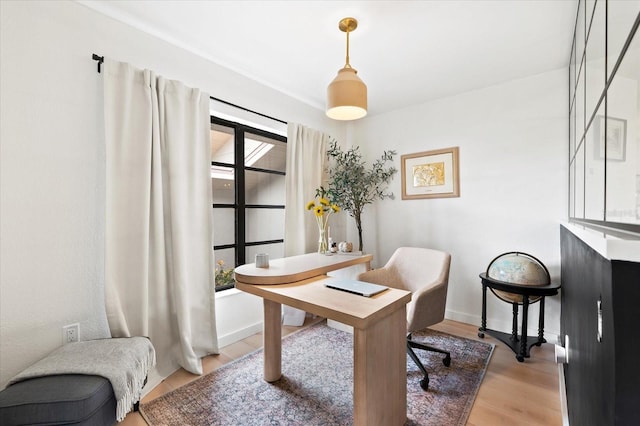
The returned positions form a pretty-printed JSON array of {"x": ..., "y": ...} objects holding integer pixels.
[{"x": 379, "y": 323}]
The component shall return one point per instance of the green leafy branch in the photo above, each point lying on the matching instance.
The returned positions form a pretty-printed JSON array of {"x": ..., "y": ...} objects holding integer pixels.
[
  {"x": 223, "y": 277},
  {"x": 352, "y": 185}
]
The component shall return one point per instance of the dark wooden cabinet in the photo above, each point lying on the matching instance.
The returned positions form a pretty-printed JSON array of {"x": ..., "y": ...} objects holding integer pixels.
[{"x": 602, "y": 377}]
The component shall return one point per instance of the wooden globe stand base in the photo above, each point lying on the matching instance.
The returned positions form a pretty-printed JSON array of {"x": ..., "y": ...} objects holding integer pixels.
[{"x": 519, "y": 344}]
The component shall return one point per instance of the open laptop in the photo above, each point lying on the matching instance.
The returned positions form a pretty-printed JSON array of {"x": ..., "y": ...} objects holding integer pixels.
[{"x": 356, "y": 287}]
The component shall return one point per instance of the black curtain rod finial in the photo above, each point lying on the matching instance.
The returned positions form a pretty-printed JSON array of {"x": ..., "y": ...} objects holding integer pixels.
[{"x": 100, "y": 60}]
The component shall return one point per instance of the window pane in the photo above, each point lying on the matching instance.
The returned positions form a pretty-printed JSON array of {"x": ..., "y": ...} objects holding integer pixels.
[
  {"x": 572, "y": 78},
  {"x": 264, "y": 153},
  {"x": 222, "y": 144},
  {"x": 264, "y": 224},
  {"x": 222, "y": 185},
  {"x": 223, "y": 226},
  {"x": 623, "y": 138},
  {"x": 580, "y": 107},
  {"x": 572, "y": 189},
  {"x": 264, "y": 188},
  {"x": 580, "y": 33},
  {"x": 621, "y": 15},
  {"x": 579, "y": 196},
  {"x": 589, "y": 9},
  {"x": 572, "y": 133},
  {"x": 224, "y": 266},
  {"x": 275, "y": 251},
  {"x": 595, "y": 59},
  {"x": 594, "y": 171}
]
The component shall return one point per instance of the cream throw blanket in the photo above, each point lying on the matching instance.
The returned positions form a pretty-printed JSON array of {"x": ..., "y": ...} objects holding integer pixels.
[{"x": 124, "y": 361}]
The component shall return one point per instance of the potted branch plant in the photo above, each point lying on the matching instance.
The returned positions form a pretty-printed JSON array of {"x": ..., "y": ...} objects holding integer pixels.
[{"x": 352, "y": 185}]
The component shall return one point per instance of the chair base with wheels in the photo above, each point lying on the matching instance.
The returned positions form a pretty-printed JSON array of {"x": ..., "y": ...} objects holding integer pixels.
[{"x": 411, "y": 345}]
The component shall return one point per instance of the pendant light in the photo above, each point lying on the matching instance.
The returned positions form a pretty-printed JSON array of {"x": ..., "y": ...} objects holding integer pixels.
[{"x": 347, "y": 94}]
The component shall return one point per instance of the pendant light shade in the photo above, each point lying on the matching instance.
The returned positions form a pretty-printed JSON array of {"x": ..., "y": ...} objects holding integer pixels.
[{"x": 347, "y": 94}]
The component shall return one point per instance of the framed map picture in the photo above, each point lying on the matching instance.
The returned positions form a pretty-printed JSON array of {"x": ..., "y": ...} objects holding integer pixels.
[{"x": 430, "y": 174}]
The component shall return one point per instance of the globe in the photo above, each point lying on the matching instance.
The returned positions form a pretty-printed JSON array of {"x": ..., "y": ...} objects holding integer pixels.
[{"x": 517, "y": 268}]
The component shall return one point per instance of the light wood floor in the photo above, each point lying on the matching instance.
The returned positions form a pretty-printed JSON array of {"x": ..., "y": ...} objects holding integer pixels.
[{"x": 512, "y": 393}]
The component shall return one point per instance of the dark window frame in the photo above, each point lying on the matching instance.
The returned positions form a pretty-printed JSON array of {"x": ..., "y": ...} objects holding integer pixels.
[
  {"x": 620, "y": 229},
  {"x": 240, "y": 205}
]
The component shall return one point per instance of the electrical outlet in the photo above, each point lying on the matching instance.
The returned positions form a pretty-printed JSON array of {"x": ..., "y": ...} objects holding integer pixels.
[{"x": 71, "y": 333}]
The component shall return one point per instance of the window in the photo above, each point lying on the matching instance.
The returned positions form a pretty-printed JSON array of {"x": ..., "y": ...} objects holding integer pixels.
[
  {"x": 248, "y": 186},
  {"x": 604, "y": 111}
]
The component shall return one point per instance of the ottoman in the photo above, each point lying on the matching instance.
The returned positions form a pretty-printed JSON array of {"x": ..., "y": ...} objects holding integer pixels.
[
  {"x": 69, "y": 399},
  {"x": 93, "y": 382}
]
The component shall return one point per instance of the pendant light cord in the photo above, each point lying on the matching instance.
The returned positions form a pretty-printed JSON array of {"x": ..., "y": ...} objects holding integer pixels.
[{"x": 347, "y": 65}]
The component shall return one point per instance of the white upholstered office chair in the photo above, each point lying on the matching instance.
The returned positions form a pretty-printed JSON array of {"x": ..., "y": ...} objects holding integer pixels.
[{"x": 425, "y": 273}]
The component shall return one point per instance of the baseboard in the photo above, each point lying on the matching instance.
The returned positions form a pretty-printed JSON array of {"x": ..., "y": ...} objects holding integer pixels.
[
  {"x": 462, "y": 317},
  {"x": 504, "y": 326},
  {"x": 563, "y": 396},
  {"x": 240, "y": 334},
  {"x": 495, "y": 324},
  {"x": 153, "y": 379}
]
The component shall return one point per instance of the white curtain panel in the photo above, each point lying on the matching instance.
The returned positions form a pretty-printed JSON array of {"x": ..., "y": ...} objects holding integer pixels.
[
  {"x": 306, "y": 154},
  {"x": 159, "y": 232}
]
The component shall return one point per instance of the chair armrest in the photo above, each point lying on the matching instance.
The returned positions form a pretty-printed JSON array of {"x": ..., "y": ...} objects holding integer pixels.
[
  {"x": 427, "y": 307},
  {"x": 382, "y": 276}
]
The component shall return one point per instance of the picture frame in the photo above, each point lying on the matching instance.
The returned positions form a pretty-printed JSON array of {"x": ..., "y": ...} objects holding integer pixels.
[
  {"x": 431, "y": 174},
  {"x": 615, "y": 139}
]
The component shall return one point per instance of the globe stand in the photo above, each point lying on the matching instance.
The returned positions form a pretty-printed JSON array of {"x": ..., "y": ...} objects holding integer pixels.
[{"x": 518, "y": 344}]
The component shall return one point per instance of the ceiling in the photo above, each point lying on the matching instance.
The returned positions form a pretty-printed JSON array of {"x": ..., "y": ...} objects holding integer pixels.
[{"x": 407, "y": 52}]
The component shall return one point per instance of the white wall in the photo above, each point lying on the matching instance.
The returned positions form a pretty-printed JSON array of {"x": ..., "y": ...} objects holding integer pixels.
[
  {"x": 52, "y": 165},
  {"x": 513, "y": 185}
]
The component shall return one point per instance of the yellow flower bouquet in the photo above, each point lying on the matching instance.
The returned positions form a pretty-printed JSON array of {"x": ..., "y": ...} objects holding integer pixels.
[{"x": 322, "y": 209}]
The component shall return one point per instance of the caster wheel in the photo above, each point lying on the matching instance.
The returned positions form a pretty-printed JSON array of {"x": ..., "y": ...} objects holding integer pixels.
[
  {"x": 520, "y": 358},
  {"x": 424, "y": 383},
  {"x": 447, "y": 361},
  {"x": 481, "y": 335}
]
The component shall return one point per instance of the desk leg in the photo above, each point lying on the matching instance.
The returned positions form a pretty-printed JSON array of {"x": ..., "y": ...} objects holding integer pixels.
[
  {"x": 272, "y": 340},
  {"x": 380, "y": 372}
]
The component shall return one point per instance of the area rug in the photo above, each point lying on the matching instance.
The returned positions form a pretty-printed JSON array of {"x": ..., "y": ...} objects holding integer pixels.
[{"x": 317, "y": 385}]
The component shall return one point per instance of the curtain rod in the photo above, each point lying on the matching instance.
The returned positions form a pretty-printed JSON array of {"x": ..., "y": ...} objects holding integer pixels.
[
  {"x": 248, "y": 110},
  {"x": 100, "y": 60}
]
